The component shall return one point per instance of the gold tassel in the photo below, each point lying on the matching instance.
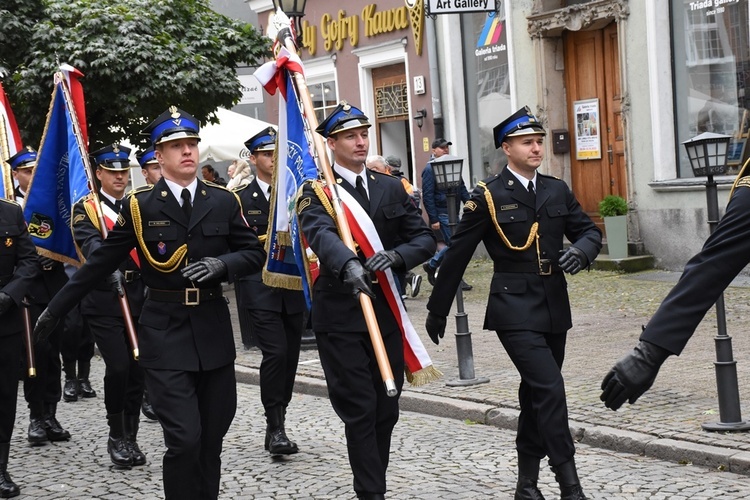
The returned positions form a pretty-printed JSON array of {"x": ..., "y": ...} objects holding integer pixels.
[{"x": 424, "y": 376}]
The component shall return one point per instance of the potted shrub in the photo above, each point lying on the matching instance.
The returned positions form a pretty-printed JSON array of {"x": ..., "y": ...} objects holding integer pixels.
[{"x": 613, "y": 210}]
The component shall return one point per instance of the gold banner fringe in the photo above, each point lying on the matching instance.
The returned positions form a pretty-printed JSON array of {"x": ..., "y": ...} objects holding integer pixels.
[
  {"x": 424, "y": 376},
  {"x": 278, "y": 280}
]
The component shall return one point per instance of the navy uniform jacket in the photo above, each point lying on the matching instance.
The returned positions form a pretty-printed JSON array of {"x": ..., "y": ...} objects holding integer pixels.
[
  {"x": 724, "y": 254},
  {"x": 520, "y": 299},
  {"x": 256, "y": 207},
  {"x": 395, "y": 217},
  {"x": 174, "y": 336},
  {"x": 102, "y": 301},
  {"x": 18, "y": 263}
]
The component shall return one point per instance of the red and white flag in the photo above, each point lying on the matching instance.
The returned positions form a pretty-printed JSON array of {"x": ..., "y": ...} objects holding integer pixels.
[{"x": 9, "y": 124}]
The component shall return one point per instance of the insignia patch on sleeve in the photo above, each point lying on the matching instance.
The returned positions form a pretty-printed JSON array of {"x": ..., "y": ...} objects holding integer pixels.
[
  {"x": 470, "y": 206},
  {"x": 744, "y": 182},
  {"x": 120, "y": 220},
  {"x": 78, "y": 218},
  {"x": 303, "y": 204}
]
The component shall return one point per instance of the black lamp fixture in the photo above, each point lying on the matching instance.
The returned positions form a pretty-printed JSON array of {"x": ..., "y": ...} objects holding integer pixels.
[
  {"x": 447, "y": 170},
  {"x": 708, "y": 153},
  {"x": 295, "y": 10},
  {"x": 420, "y": 116}
]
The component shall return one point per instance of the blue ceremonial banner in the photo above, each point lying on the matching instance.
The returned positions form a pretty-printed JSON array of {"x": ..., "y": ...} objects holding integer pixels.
[
  {"x": 295, "y": 166},
  {"x": 59, "y": 181}
]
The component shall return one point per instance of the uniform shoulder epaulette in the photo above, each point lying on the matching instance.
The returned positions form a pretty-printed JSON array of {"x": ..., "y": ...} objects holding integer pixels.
[
  {"x": 744, "y": 182},
  {"x": 12, "y": 202},
  {"x": 489, "y": 180},
  {"x": 140, "y": 189},
  {"x": 213, "y": 184},
  {"x": 239, "y": 188},
  {"x": 548, "y": 176}
]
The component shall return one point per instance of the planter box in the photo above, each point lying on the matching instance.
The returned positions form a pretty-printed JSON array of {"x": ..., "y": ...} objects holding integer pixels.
[{"x": 617, "y": 236}]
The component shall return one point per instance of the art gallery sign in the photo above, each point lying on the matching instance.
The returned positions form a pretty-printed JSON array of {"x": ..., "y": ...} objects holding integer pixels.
[{"x": 435, "y": 7}]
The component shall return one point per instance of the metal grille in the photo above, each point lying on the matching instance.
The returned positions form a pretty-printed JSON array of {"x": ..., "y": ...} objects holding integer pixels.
[{"x": 391, "y": 100}]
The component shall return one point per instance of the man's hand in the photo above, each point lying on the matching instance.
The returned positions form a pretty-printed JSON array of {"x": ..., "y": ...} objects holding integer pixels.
[
  {"x": 207, "y": 268},
  {"x": 435, "y": 226},
  {"x": 44, "y": 326},
  {"x": 573, "y": 260},
  {"x": 357, "y": 277},
  {"x": 46, "y": 262},
  {"x": 116, "y": 282},
  {"x": 383, "y": 260},
  {"x": 435, "y": 326},
  {"x": 632, "y": 375},
  {"x": 6, "y": 302}
]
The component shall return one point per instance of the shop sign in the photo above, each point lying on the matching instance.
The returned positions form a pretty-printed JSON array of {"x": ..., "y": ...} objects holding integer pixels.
[
  {"x": 588, "y": 140},
  {"x": 435, "y": 7}
]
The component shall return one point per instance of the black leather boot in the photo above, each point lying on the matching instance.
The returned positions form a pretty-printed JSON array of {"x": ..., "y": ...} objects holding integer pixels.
[
  {"x": 54, "y": 430},
  {"x": 276, "y": 441},
  {"x": 117, "y": 445},
  {"x": 70, "y": 390},
  {"x": 146, "y": 408},
  {"x": 370, "y": 496},
  {"x": 528, "y": 475},
  {"x": 567, "y": 477},
  {"x": 131, "y": 432},
  {"x": 85, "y": 390},
  {"x": 8, "y": 489},
  {"x": 37, "y": 434}
]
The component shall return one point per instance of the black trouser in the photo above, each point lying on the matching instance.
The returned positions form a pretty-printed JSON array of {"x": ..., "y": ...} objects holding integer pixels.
[
  {"x": 357, "y": 394},
  {"x": 123, "y": 376},
  {"x": 195, "y": 410},
  {"x": 46, "y": 386},
  {"x": 11, "y": 350},
  {"x": 543, "y": 428},
  {"x": 278, "y": 335},
  {"x": 77, "y": 344}
]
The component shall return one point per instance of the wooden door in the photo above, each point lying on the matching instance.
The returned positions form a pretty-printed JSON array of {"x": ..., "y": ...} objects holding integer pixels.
[
  {"x": 592, "y": 71},
  {"x": 392, "y": 114}
]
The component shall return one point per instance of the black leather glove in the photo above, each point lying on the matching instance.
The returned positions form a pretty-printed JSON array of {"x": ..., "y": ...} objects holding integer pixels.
[
  {"x": 573, "y": 260},
  {"x": 357, "y": 277},
  {"x": 46, "y": 262},
  {"x": 207, "y": 268},
  {"x": 116, "y": 282},
  {"x": 435, "y": 326},
  {"x": 44, "y": 326},
  {"x": 383, "y": 260},
  {"x": 633, "y": 375},
  {"x": 6, "y": 302}
]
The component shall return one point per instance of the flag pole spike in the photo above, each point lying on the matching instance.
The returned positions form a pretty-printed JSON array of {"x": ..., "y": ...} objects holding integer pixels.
[{"x": 281, "y": 25}]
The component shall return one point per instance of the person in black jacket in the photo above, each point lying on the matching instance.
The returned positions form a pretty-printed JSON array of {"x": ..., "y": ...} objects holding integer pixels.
[
  {"x": 707, "y": 274},
  {"x": 354, "y": 383},
  {"x": 522, "y": 217},
  {"x": 43, "y": 392},
  {"x": 123, "y": 377},
  {"x": 276, "y": 314},
  {"x": 18, "y": 268},
  {"x": 189, "y": 236}
]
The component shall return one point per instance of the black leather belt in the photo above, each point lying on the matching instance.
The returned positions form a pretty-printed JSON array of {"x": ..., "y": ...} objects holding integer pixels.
[
  {"x": 186, "y": 296},
  {"x": 131, "y": 275},
  {"x": 547, "y": 267}
]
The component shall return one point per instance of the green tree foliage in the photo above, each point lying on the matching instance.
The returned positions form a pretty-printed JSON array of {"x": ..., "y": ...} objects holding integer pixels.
[{"x": 138, "y": 57}]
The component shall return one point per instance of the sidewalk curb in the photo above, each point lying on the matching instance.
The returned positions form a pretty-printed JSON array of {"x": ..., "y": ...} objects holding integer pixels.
[{"x": 598, "y": 436}]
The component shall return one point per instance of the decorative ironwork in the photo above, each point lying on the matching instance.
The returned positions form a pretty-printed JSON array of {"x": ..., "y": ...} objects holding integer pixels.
[{"x": 391, "y": 100}]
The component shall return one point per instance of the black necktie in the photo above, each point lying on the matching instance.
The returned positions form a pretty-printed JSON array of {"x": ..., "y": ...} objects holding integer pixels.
[
  {"x": 187, "y": 207},
  {"x": 532, "y": 192},
  {"x": 118, "y": 206},
  {"x": 363, "y": 193}
]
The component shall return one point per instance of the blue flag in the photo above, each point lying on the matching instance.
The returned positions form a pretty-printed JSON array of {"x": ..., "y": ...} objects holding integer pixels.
[{"x": 59, "y": 181}]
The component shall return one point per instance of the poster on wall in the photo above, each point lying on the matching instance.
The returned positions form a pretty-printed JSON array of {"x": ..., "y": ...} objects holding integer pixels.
[{"x": 588, "y": 141}]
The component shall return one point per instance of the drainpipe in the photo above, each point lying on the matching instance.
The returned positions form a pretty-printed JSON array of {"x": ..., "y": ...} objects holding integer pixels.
[{"x": 435, "y": 86}]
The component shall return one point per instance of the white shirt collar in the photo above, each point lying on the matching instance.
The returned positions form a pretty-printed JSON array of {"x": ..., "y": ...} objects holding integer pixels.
[
  {"x": 523, "y": 180},
  {"x": 351, "y": 177},
  {"x": 264, "y": 188},
  {"x": 111, "y": 198},
  {"x": 177, "y": 189}
]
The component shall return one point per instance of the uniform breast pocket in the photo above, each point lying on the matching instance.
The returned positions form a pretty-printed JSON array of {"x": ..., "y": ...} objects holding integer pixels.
[
  {"x": 393, "y": 211},
  {"x": 8, "y": 240},
  {"x": 511, "y": 216},
  {"x": 215, "y": 228},
  {"x": 507, "y": 304},
  {"x": 157, "y": 234},
  {"x": 559, "y": 210}
]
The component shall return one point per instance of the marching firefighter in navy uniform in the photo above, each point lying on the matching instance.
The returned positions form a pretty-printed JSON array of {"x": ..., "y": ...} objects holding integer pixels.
[
  {"x": 123, "y": 377},
  {"x": 43, "y": 392},
  {"x": 276, "y": 314},
  {"x": 190, "y": 236},
  {"x": 18, "y": 268},
  {"x": 522, "y": 216},
  {"x": 355, "y": 386}
]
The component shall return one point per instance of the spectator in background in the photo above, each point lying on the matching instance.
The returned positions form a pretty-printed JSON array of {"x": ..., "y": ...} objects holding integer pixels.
[
  {"x": 378, "y": 164},
  {"x": 207, "y": 171},
  {"x": 436, "y": 205},
  {"x": 240, "y": 174},
  {"x": 218, "y": 179}
]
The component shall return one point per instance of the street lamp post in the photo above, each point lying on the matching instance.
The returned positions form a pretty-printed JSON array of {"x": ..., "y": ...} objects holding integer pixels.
[
  {"x": 447, "y": 170},
  {"x": 708, "y": 154},
  {"x": 295, "y": 11}
]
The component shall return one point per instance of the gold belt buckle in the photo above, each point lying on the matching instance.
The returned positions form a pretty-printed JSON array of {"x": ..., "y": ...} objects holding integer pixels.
[
  {"x": 129, "y": 275},
  {"x": 545, "y": 267},
  {"x": 192, "y": 296}
]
